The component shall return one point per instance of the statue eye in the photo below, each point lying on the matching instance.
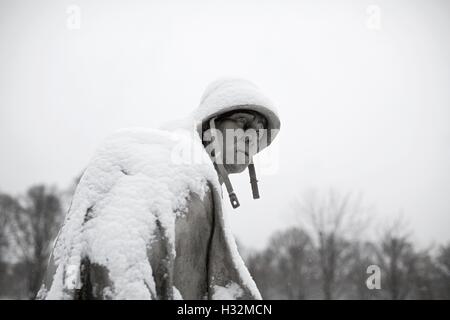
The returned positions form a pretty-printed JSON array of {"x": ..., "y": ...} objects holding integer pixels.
[
  {"x": 242, "y": 120},
  {"x": 259, "y": 125}
]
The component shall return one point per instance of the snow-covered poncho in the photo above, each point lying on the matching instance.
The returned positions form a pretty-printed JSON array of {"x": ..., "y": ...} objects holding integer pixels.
[{"x": 147, "y": 221}]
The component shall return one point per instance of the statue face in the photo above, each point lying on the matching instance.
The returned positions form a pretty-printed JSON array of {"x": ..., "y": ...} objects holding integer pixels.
[{"x": 240, "y": 131}]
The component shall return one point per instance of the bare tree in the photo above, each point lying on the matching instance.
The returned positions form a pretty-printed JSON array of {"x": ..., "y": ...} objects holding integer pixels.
[
  {"x": 261, "y": 267},
  {"x": 4, "y": 243},
  {"x": 362, "y": 255},
  {"x": 396, "y": 259},
  {"x": 3, "y": 224},
  {"x": 293, "y": 252},
  {"x": 334, "y": 221},
  {"x": 9, "y": 206},
  {"x": 424, "y": 275},
  {"x": 286, "y": 268},
  {"x": 35, "y": 220},
  {"x": 443, "y": 271}
]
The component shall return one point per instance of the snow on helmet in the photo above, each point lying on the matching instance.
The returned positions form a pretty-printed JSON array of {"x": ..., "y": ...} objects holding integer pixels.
[{"x": 233, "y": 94}]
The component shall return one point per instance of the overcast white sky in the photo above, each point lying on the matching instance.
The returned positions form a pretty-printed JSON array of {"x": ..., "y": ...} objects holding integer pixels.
[{"x": 365, "y": 107}]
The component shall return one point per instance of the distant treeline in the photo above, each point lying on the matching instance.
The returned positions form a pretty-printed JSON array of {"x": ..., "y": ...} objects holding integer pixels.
[
  {"x": 324, "y": 256},
  {"x": 327, "y": 255}
]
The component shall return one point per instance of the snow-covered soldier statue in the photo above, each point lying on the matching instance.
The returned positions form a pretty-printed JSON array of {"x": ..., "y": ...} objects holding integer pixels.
[{"x": 147, "y": 221}]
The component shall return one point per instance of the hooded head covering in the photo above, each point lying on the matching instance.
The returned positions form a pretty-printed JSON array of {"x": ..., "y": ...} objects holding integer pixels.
[
  {"x": 230, "y": 94},
  {"x": 233, "y": 94}
]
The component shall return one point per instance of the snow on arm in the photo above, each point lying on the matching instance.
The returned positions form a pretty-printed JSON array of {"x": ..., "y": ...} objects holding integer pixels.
[
  {"x": 133, "y": 180},
  {"x": 231, "y": 291}
]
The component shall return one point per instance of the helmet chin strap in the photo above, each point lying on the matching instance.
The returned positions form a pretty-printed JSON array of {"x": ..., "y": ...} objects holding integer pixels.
[
  {"x": 221, "y": 169},
  {"x": 224, "y": 174},
  {"x": 253, "y": 180}
]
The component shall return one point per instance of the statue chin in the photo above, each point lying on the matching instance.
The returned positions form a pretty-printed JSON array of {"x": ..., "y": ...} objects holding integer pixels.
[{"x": 235, "y": 168}]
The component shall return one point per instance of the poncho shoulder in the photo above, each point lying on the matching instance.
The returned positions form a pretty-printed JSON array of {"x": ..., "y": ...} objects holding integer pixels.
[{"x": 138, "y": 177}]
